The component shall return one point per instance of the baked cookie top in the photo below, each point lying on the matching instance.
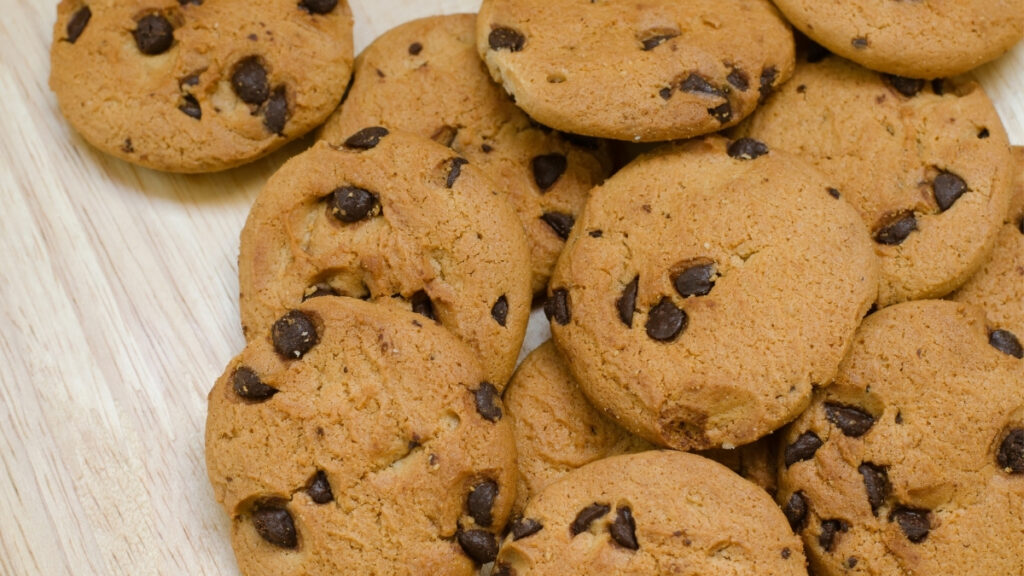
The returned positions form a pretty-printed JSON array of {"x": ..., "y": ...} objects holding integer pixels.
[
  {"x": 656, "y": 512},
  {"x": 707, "y": 289},
  {"x": 425, "y": 77},
  {"x": 670, "y": 70},
  {"x": 912, "y": 462},
  {"x": 925, "y": 163},
  {"x": 355, "y": 439},
  {"x": 399, "y": 220},
  {"x": 194, "y": 86}
]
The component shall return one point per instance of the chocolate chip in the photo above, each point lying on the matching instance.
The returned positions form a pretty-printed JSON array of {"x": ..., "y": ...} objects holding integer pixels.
[
  {"x": 480, "y": 545},
  {"x": 983, "y": 133},
  {"x": 77, "y": 23},
  {"x": 190, "y": 107},
  {"x": 275, "y": 115},
  {"x": 876, "y": 482},
  {"x": 506, "y": 39},
  {"x": 650, "y": 42},
  {"x": 587, "y": 516},
  {"x": 833, "y": 193},
  {"x": 1006, "y": 342},
  {"x": 1011, "y": 452},
  {"x": 747, "y": 149},
  {"x": 665, "y": 322},
  {"x": 948, "y": 188},
  {"x": 249, "y": 81},
  {"x": 455, "y": 171},
  {"x": 695, "y": 280},
  {"x": 275, "y": 525},
  {"x": 294, "y": 335},
  {"x": 153, "y": 34},
  {"x": 481, "y": 500},
  {"x": 502, "y": 569},
  {"x": 487, "y": 401},
  {"x": 318, "y": 290},
  {"x": 914, "y": 523},
  {"x": 803, "y": 448},
  {"x": 786, "y": 553},
  {"x": 829, "y": 529},
  {"x": 319, "y": 488},
  {"x": 895, "y": 228},
  {"x": 127, "y": 146},
  {"x": 547, "y": 169},
  {"x": 623, "y": 529},
  {"x": 626, "y": 304},
  {"x": 854, "y": 422},
  {"x": 187, "y": 2},
  {"x": 523, "y": 527},
  {"x": 415, "y": 48},
  {"x": 596, "y": 233},
  {"x": 318, "y": 6},
  {"x": 665, "y": 93},
  {"x": 557, "y": 307},
  {"x": 560, "y": 222},
  {"x": 722, "y": 112},
  {"x": 500, "y": 310},
  {"x": 422, "y": 305},
  {"x": 739, "y": 79},
  {"x": 796, "y": 509},
  {"x": 859, "y": 43},
  {"x": 767, "y": 83},
  {"x": 851, "y": 562},
  {"x": 366, "y": 138},
  {"x": 247, "y": 385},
  {"x": 907, "y": 86},
  {"x": 698, "y": 84},
  {"x": 350, "y": 204}
]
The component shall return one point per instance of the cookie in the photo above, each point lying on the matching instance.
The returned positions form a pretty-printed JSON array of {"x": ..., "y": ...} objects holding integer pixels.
[
  {"x": 399, "y": 220},
  {"x": 917, "y": 39},
  {"x": 351, "y": 438},
  {"x": 194, "y": 86},
  {"x": 707, "y": 289},
  {"x": 912, "y": 462},
  {"x": 425, "y": 77},
  {"x": 657, "y": 512},
  {"x": 925, "y": 163},
  {"x": 670, "y": 70},
  {"x": 999, "y": 286}
]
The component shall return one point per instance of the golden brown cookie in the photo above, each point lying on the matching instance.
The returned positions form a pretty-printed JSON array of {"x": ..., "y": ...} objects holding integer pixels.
[
  {"x": 355, "y": 439},
  {"x": 425, "y": 77},
  {"x": 399, "y": 220},
  {"x": 912, "y": 462},
  {"x": 662, "y": 70},
  {"x": 194, "y": 86}
]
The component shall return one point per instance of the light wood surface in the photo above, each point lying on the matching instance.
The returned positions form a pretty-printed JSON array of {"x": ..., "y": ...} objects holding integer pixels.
[{"x": 118, "y": 310}]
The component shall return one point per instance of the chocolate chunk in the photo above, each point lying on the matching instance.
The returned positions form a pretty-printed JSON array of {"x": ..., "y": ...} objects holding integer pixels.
[
  {"x": 907, "y": 86},
  {"x": 275, "y": 114},
  {"x": 767, "y": 83},
  {"x": 1011, "y": 452},
  {"x": 190, "y": 106},
  {"x": 914, "y": 523},
  {"x": 626, "y": 303},
  {"x": 1006, "y": 342},
  {"x": 480, "y": 501},
  {"x": 319, "y": 488},
  {"x": 487, "y": 400},
  {"x": 547, "y": 169},
  {"x": 455, "y": 171},
  {"x": 249, "y": 81},
  {"x": 876, "y": 482},
  {"x": 665, "y": 322},
  {"x": 833, "y": 193},
  {"x": 506, "y": 39},
  {"x": 895, "y": 228},
  {"x": 153, "y": 34},
  {"x": 318, "y": 6},
  {"x": 350, "y": 204},
  {"x": 829, "y": 529},
  {"x": 480, "y": 545},
  {"x": 415, "y": 48},
  {"x": 77, "y": 23},
  {"x": 650, "y": 42},
  {"x": 422, "y": 305},
  {"x": 698, "y": 84},
  {"x": 948, "y": 188},
  {"x": 500, "y": 310},
  {"x": 722, "y": 112},
  {"x": 247, "y": 385},
  {"x": 747, "y": 149},
  {"x": 796, "y": 509},
  {"x": 854, "y": 422},
  {"x": 366, "y": 138},
  {"x": 803, "y": 448},
  {"x": 587, "y": 516},
  {"x": 623, "y": 529},
  {"x": 859, "y": 43},
  {"x": 695, "y": 280},
  {"x": 318, "y": 290},
  {"x": 739, "y": 79},
  {"x": 523, "y": 527},
  {"x": 294, "y": 335},
  {"x": 275, "y": 525},
  {"x": 557, "y": 307},
  {"x": 560, "y": 222}
]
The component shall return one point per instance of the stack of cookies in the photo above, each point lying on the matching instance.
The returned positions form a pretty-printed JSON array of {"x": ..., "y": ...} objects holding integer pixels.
[{"x": 785, "y": 342}]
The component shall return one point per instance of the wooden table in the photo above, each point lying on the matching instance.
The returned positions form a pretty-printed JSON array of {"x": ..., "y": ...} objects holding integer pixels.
[{"x": 118, "y": 310}]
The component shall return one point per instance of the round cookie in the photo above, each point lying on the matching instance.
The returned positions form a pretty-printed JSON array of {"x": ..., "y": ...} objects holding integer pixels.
[
  {"x": 707, "y": 289},
  {"x": 912, "y": 462},
  {"x": 918, "y": 39},
  {"x": 925, "y": 164},
  {"x": 356, "y": 439},
  {"x": 397, "y": 219},
  {"x": 657, "y": 512},
  {"x": 668, "y": 71},
  {"x": 425, "y": 77},
  {"x": 193, "y": 86}
]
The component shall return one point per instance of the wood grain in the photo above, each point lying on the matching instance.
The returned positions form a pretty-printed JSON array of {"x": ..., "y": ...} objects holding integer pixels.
[{"x": 118, "y": 310}]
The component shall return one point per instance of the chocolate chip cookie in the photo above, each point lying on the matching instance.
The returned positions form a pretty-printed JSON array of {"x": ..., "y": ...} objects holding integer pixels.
[
  {"x": 707, "y": 289},
  {"x": 399, "y": 220},
  {"x": 425, "y": 77},
  {"x": 194, "y": 85},
  {"x": 608, "y": 69},
  {"x": 912, "y": 462},
  {"x": 351, "y": 438}
]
